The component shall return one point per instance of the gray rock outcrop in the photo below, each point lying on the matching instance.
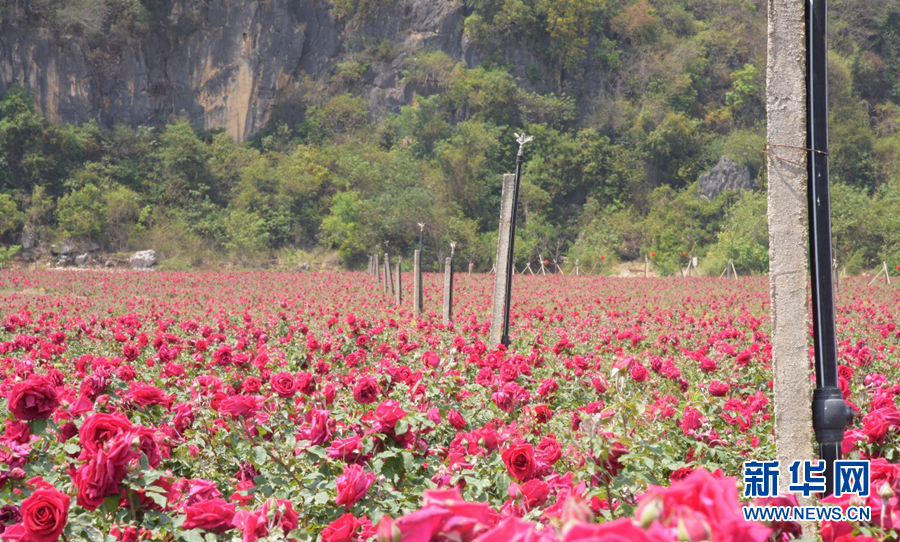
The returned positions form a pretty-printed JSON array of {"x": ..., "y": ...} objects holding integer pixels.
[
  {"x": 223, "y": 63},
  {"x": 726, "y": 175},
  {"x": 144, "y": 259}
]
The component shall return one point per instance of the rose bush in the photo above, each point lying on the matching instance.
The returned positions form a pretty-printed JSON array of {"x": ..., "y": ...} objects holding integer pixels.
[{"x": 261, "y": 406}]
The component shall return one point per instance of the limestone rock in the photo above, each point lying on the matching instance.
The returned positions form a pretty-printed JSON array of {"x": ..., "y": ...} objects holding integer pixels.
[
  {"x": 81, "y": 259},
  {"x": 29, "y": 237},
  {"x": 144, "y": 259},
  {"x": 228, "y": 63},
  {"x": 62, "y": 249},
  {"x": 726, "y": 175}
]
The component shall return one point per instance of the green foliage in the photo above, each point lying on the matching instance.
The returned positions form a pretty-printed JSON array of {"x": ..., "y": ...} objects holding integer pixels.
[
  {"x": 674, "y": 86},
  {"x": 7, "y": 254},
  {"x": 343, "y": 227},
  {"x": 744, "y": 239},
  {"x": 81, "y": 212},
  {"x": 607, "y": 54},
  {"x": 10, "y": 216}
]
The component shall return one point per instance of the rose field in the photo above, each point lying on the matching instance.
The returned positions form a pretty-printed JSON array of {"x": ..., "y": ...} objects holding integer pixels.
[{"x": 273, "y": 406}]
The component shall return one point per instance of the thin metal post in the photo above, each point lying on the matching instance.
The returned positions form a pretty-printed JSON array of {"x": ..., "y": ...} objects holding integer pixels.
[
  {"x": 830, "y": 412},
  {"x": 510, "y": 266}
]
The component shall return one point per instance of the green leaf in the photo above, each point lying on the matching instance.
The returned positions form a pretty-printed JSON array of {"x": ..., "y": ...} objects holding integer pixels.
[
  {"x": 194, "y": 535},
  {"x": 260, "y": 455},
  {"x": 157, "y": 498},
  {"x": 321, "y": 497},
  {"x": 72, "y": 448},
  {"x": 38, "y": 426},
  {"x": 401, "y": 428}
]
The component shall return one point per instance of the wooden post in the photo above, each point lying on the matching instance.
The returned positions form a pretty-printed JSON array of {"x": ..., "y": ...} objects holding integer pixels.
[
  {"x": 417, "y": 284},
  {"x": 377, "y": 266},
  {"x": 501, "y": 261},
  {"x": 398, "y": 285},
  {"x": 543, "y": 270},
  {"x": 448, "y": 291},
  {"x": 388, "y": 282},
  {"x": 788, "y": 218},
  {"x": 646, "y": 266},
  {"x": 558, "y": 268},
  {"x": 837, "y": 276}
]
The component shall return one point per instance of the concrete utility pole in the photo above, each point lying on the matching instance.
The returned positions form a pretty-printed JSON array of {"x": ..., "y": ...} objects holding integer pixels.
[
  {"x": 417, "y": 284},
  {"x": 388, "y": 280},
  {"x": 499, "y": 269},
  {"x": 786, "y": 97},
  {"x": 448, "y": 291}
]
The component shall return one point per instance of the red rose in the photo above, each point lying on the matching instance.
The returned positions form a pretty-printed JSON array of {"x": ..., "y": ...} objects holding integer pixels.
[
  {"x": 431, "y": 359},
  {"x": 456, "y": 420},
  {"x": 146, "y": 395},
  {"x": 512, "y": 529},
  {"x": 255, "y": 525},
  {"x": 549, "y": 451},
  {"x": 317, "y": 432},
  {"x": 534, "y": 493},
  {"x": 33, "y": 399},
  {"x": 239, "y": 405},
  {"x": 341, "y": 530},
  {"x": 97, "y": 430},
  {"x": 251, "y": 384},
  {"x": 389, "y": 413},
  {"x": 621, "y": 530},
  {"x": 718, "y": 389},
  {"x": 366, "y": 390},
  {"x": 352, "y": 485},
  {"x": 707, "y": 365},
  {"x": 213, "y": 515},
  {"x": 347, "y": 449},
  {"x": 130, "y": 352},
  {"x": 17, "y": 431},
  {"x": 692, "y": 420},
  {"x": 519, "y": 461},
  {"x": 284, "y": 385},
  {"x": 542, "y": 413},
  {"x": 700, "y": 505},
  {"x": 877, "y": 423},
  {"x": 44, "y": 515},
  {"x": 95, "y": 481},
  {"x": 306, "y": 383},
  {"x": 638, "y": 372}
]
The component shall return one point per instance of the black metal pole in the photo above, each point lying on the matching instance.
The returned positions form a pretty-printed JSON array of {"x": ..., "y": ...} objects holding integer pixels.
[
  {"x": 421, "y": 230},
  {"x": 830, "y": 413},
  {"x": 504, "y": 340}
]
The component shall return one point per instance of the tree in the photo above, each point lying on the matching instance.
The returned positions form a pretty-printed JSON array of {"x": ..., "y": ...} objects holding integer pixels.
[
  {"x": 82, "y": 213},
  {"x": 11, "y": 218},
  {"x": 343, "y": 228},
  {"x": 744, "y": 239}
]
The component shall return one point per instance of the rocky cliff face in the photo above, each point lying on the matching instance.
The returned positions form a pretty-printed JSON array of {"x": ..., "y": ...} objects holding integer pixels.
[{"x": 222, "y": 63}]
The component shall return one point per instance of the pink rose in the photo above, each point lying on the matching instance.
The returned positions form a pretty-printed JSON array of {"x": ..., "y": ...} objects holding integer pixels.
[
  {"x": 352, "y": 485},
  {"x": 702, "y": 506},
  {"x": 389, "y": 413}
]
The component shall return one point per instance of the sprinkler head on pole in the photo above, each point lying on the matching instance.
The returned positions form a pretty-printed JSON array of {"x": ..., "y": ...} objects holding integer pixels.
[{"x": 522, "y": 139}]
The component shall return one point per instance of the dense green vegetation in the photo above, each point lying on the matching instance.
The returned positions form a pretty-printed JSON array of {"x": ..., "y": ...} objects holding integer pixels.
[{"x": 630, "y": 102}]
